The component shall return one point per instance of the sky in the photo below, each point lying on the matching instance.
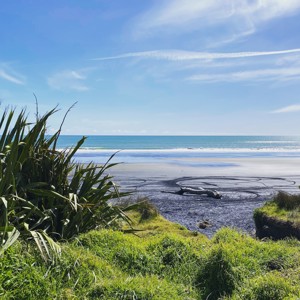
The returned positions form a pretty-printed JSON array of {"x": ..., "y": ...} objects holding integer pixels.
[{"x": 154, "y": 67}]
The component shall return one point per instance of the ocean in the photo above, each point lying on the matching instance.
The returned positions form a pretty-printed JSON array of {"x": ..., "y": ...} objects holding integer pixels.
[{"x": 148, "y": 149}]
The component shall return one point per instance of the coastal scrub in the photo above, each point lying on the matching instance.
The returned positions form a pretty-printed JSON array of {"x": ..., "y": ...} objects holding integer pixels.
[{"x": 44, "y": 195}]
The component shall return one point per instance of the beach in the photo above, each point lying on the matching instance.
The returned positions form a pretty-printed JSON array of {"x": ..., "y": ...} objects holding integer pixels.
[
  {"x": 244, "y": 183},
  {"x": 287, "y": 166},
  {"x": 246, "y": 171}
]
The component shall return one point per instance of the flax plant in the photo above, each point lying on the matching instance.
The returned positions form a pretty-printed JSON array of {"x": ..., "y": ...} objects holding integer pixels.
[{"x": 45, "y": 195}]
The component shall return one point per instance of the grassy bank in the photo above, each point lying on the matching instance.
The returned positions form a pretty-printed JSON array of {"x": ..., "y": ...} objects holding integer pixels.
[
  {"x": 279, "y": 218},
  {"x": 163, "y": 261},
  {"x": 285, "y": 207}
]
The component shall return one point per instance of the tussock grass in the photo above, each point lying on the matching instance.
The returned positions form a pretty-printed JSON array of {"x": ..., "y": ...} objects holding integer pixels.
[
  {"x": 236, "y": 260},
  {"x": 149, "y": 288},
  {"x": 283, "y": 207},
  {"x": 147, "y": 210},
  {"x": 162, "y": 264},
  {"x": 125, "y": 251},
  {"x": 287, "y": 201},
  {"x": 271, "y": 286}
]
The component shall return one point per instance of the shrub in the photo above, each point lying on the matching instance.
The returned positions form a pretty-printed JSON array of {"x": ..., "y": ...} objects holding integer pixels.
[
  {"x": 147, "y": 210},
  {"x": 286, "y": 201},
  {"x": 38, "y": 199}
]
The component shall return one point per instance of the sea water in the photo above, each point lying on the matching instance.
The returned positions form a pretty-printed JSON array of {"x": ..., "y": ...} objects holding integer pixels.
[{"x": 174, "y": 149}]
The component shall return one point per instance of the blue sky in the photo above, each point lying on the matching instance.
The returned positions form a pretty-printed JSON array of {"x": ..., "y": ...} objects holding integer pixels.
[{"x": 164, "y": 67}]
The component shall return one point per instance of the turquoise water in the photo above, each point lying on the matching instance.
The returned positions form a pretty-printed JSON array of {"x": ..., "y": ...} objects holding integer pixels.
[
  {"x": 171, "y": 148},
  {"x": 185, "y": 142}
]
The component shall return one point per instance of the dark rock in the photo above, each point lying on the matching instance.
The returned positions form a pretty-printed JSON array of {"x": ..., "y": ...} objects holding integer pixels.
[{"x": 204, "y": 224}]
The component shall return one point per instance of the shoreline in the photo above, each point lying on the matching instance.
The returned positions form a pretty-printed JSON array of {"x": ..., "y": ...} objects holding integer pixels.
[
  {"x": 214, "y": 166},
  {"x": 244, "y": 186}
]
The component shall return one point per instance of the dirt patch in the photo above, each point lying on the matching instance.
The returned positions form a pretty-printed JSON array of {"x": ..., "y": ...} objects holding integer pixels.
[{"x": 274, "y": 228}]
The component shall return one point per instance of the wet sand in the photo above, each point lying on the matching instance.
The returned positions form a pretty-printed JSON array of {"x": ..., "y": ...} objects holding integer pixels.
[{"x": 245, "y": 184}]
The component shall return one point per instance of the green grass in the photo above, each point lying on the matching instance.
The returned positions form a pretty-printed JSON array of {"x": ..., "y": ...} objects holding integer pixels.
[
  {"x": 164, "y": 261},
  {"x": 283, "y": 207},
  {"x": 279, "y": 218}
]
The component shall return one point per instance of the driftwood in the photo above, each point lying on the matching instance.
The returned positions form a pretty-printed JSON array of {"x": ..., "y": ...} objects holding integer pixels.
[{"x": 199, "y": 191}]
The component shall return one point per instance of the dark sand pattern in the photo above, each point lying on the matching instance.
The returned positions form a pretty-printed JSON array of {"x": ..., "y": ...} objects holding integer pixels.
[{"x": 240, "y": 196}]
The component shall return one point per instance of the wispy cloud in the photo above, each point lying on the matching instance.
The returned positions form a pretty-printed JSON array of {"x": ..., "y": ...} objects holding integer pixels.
[
  {"x": 68, "y": 80},
  {"x": 287, "y": 109},
  {"x": 279, "y": 74},
  {"x": 180, "y": 55},
  {"x": 241, "y": 16},
  {"x": 14, "y": 78},
  {"x": 248, "y": 66}
]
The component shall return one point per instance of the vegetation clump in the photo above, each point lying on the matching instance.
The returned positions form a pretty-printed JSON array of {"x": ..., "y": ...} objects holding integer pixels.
[
  {"x": 267, "y": 287},
  {"x": 279, "y": 218},
  {"x": 287, "y": 201},
  {"x": 147, "y": 210},
  {"x": 44, "y": 195},
  {"x": 160, "y": 262},
  {"x": 217, "y": 277}
]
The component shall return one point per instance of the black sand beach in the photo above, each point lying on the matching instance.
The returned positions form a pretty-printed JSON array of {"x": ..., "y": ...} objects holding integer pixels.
[{"x": 243, "y": 188}]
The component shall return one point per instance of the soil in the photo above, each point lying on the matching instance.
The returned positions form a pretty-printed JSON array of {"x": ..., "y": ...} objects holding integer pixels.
[
  {"x": 240, "y": 196},
  {"x": 276, "y": 229}
]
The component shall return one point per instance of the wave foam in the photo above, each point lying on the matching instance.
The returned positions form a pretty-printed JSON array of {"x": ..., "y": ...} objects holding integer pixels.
[{"x": 190, "y": 150}]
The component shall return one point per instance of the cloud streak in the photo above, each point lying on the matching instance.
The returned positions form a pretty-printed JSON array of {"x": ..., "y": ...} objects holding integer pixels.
[
  {"x": 287, "y": 109},
  {"x": 278, "y": 74},
  {"x": 68, "y": 80},
  {"x": 180, "y": 55},
  {"x": 284, "y": 68},
  {"x": 11, "y": 78},
  {"x": 241, "y": 16}
]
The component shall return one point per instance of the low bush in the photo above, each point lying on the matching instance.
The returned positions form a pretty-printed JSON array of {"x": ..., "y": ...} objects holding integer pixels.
[
  {"x": 44, "y": 195},
  {"x": 287, "y": 201},
  {"x": 147, "y": 210}
]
